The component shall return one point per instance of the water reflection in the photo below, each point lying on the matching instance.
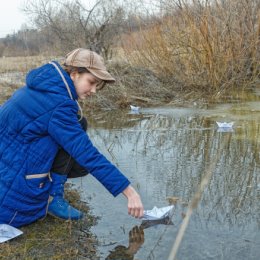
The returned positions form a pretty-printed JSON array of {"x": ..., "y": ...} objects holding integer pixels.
[
  {"x": 166, "y": 156},
  {"x": 136, "y": 239},
  {"x": 151, "y": 223}
]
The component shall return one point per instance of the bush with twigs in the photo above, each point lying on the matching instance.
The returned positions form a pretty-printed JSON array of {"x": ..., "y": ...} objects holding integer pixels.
[{"x": 203, "y": 45}]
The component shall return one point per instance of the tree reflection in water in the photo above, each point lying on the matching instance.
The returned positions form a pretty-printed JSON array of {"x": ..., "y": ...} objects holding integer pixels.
[{"x": 168, "y": 154}]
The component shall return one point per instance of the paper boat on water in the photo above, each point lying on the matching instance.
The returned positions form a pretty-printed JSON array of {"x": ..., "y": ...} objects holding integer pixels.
[
  {"x": 134, "y": 108},
  {"x": 225, "y": 127},
  {"x": 225, "y": 124},
  {"x": 8, "y": 232},
  {"x": 158, "y": 213}
]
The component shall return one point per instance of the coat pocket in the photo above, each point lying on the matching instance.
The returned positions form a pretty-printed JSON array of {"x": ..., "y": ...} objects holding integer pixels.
[
  {"x": 38, "y": 181},
  {"x": 28, "y": 195},
  {"x": 36, "y": 186}
]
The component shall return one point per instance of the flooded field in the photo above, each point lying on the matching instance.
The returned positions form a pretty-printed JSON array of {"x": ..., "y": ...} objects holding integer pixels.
[{"x": 166, "y": 153}]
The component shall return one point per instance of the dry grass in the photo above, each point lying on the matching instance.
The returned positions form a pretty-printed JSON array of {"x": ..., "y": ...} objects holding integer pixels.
[
  {"x": 210, "y": 46},
  {"x": 197, "y": 49},
  {"x": 134, "y": 85},
  {"x": 22, "y": 64}
]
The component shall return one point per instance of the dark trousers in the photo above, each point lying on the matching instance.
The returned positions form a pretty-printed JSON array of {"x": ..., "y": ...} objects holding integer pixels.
[{"x": 64, "y": 164}]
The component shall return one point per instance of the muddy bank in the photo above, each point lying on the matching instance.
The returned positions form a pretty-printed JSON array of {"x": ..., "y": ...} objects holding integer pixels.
[
  {"x": 136, "y": 86},
  {"x": 52, "y": 238}
]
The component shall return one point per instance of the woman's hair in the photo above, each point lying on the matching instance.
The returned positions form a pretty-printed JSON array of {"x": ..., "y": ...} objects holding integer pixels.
[{"x": 70, "y": 69}]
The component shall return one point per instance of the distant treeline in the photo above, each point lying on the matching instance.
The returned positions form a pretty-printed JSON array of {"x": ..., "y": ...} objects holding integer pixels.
[
  {"x": 26, "y": 42},
  {"x": 62, "y": 26}
]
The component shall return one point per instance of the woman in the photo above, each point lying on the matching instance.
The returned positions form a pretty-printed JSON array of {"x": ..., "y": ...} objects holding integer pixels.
[{"x": 35, "y": 122}]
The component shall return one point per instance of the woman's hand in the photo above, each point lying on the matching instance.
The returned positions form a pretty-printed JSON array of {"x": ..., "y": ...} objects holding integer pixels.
[{"x": 135, "y": 205}]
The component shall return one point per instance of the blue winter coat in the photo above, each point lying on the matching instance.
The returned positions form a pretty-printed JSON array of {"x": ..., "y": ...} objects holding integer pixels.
[{"x": 34, "y": 122}]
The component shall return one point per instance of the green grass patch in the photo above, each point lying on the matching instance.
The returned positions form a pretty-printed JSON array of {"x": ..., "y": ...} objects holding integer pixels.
[{"x": 52, "y": 238}]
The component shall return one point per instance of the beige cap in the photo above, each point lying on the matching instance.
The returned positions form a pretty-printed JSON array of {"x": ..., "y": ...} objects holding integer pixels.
[{"x": 90, "y": 60}]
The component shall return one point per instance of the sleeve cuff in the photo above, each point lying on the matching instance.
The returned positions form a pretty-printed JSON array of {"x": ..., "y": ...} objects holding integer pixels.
[{"x": 122, "y": 188}]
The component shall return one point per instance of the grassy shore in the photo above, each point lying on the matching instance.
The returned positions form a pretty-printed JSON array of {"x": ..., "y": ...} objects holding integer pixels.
[
  {"x": 134, "y": 84},
  {"x": 52, "y": 238}
]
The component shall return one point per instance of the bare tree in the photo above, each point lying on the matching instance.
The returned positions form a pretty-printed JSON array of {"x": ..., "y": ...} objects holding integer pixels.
[{"x": 70, "y": 24}]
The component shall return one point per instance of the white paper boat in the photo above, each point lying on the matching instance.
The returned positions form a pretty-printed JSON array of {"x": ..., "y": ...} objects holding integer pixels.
[
  {"x": 8, "y": 232},
  {"x": 132, "y": 112},
  {"x": 225, "y": 124},
  {"x": 225, "y": 130},
  {"x": 158, "y": 213},
  {"x": 134, "y": 108}
]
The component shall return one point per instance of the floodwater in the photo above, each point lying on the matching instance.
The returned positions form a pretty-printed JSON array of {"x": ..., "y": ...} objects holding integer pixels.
[{"x": 166, "y": 152}]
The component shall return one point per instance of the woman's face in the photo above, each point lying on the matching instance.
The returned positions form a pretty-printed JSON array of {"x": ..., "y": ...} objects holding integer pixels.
[{"x": 85, "y": 84}]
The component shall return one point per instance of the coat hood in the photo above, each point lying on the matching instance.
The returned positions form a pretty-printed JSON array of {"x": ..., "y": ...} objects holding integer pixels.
[{"x": 47, "y": 79}]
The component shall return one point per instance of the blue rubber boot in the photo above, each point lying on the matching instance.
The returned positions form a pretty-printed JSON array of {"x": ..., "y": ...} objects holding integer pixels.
[{"x": 58, "y": 206}]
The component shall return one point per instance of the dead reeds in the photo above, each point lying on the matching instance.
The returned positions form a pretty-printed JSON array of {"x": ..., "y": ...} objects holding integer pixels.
[
  {"x": 207, "y": 45},
  {"x": 22, "y": 64}
]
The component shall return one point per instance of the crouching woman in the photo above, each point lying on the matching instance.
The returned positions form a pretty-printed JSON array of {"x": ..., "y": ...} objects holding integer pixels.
[{"x": 43, "y": 142}]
